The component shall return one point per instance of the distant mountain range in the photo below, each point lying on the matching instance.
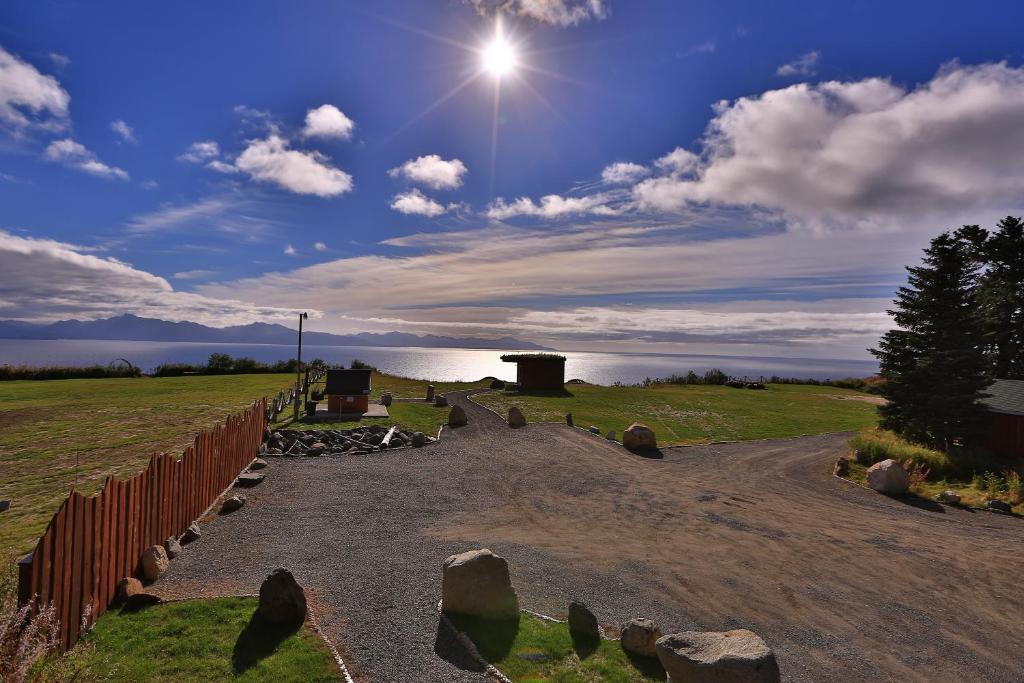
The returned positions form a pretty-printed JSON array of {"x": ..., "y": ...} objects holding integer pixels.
[{"x": 134, "y": 328}]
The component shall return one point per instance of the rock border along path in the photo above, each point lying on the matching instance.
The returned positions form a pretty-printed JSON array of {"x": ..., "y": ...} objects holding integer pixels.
[{"x": 842, "y": 583}]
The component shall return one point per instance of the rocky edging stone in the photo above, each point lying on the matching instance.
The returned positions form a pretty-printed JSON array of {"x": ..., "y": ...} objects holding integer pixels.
[{"x": 337, "y": 442}]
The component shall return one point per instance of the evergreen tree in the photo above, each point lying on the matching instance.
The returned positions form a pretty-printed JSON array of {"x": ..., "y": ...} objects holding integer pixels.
[
  {"x": 1001, "y": 298},
  {"x": 934, "y": 363}
]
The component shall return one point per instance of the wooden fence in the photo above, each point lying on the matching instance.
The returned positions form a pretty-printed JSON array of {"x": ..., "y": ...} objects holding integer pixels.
[{"x": 92, "y": 543}]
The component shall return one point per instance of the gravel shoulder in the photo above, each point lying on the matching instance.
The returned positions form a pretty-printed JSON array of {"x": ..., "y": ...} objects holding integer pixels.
[{"x": 843, "y": 583}]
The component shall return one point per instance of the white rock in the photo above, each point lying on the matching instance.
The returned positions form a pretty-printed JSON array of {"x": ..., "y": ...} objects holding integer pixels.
[
  {"x": 477, "y": 583},
  {"x": 738, "y": 656},
  {"x": 888, "y": 477}
]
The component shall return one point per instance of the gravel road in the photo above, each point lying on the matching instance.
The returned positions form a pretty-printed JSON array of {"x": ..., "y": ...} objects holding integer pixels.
[{"x": 843, "y": 583}]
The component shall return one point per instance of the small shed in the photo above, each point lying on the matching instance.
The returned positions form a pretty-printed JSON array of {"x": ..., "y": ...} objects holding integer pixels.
[
  {"x": 1006, "y": 403},
  {"x": 545, "y": 371},
  {"x": 348, "y": 391}
]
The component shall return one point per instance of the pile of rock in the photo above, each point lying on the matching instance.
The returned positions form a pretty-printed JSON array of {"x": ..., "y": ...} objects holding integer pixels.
[{"x": 356, "y": 441}]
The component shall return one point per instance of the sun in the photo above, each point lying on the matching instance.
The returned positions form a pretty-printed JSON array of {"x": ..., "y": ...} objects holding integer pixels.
[{"x": 498, "y": 57}]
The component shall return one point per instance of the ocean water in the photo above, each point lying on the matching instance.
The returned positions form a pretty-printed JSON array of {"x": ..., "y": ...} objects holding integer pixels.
[{"x": 423, "y": 363}]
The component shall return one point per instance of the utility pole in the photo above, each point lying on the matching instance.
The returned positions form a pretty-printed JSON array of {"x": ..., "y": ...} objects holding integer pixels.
[{"x": 298, "y": 370}]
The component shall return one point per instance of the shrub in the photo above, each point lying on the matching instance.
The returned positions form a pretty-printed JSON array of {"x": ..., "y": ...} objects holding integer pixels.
[
  {"x": 360, "y": 365},
  {"x": 876, "y": 445},
  {"x": 15, "y": 372}
]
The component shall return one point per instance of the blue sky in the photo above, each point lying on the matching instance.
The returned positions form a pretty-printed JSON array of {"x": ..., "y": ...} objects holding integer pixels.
[{"x": 724, "y": 177}]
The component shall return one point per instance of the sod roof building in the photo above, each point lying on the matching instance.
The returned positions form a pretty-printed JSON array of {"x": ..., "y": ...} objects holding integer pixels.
[{"x": 545, "y": 371}]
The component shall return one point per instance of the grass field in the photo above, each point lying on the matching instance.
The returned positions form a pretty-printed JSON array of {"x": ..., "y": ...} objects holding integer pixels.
[
  {"x": 197, "y": 640},
  {"x": 688, "y": 414},
  {"x": 535, "y": 651},
  {"x": 59, "y": 432}
]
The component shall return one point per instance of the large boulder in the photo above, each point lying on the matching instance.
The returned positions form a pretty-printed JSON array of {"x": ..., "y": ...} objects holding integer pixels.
[
  {"x": 282, "y": 598},
  {"x": 582, "y": 621},
  {"x": 419, "y": 439},
  {"x": 457, "y": 417},
  {"x": 127, "y": 587},
  {"x": 638, "y": 437},
  {"x": 154, "y": 562},
  {"x": 639, "y": 636},
  {"x": 888, "y": 477},
  {"x": 731, "y": 657},
  {"x": 440, "y": 401},
  {"x": 477, "y": 583},
  {"x": 516, "y": 418}
]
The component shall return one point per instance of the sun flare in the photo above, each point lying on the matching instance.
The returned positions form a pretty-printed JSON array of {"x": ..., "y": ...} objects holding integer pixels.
[{"x": 499, "y": 56}]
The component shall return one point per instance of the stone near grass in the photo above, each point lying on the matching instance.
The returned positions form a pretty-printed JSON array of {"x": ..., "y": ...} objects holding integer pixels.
[
  {"x": 638, "y": 437},
  {"x": 282, "y": 598},
  {"x": 457, "y": 417},
  {"x": 172, "y": 547},
  {"x": 888, "y": 477},
  {"x": 250, "y": 479},
  {"x": 998, "y": 506},
  {"x": 154, "y": 562},
  {"x": 440, "y": 401},
  {"x": 639, "y": 636},
  {"x": 516, "y": 418},
  {"x": 258, "y": 464},
  {"x": 948, "y": 497},
  {"x": 192, "y": 533},
  {"x": 386, "y": 398},
  {"x": 594, "y": 429},
  {"x": 419, "y": 439},
  {"x": 842, "y": 467},
  {"x": 582, "y": 621},
  {"x": 233, "y": 503},
  {"x": 610, "y": 435},
  {"x": 127, "y": 587},
  {"x": 477, "y": 583},
  {"x": 568, "y": 420},
  {"x": 739, "y": 656}
]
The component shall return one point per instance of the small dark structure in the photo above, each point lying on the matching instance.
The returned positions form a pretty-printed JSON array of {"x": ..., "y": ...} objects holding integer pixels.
[
  {"x": 1006, "y": 403},
  {"x": 348, "y": 391},
  {"x": 544, "y": 371}
]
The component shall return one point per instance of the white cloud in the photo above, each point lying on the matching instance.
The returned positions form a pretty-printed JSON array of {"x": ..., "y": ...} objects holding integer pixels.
[
  {"x": 302, "y": 172},
  {"x": 60, "y": 61},
  {"x": 44, "y": 280},
  {"x": 149, "y": 184},
  {"x": 623, "y": 173},
  {"x": 678, "y": 162},
  {"x": 555, "y": 12},
  {"x": 551, "y": 206},
  {"x": 320, "y": 246},
  {"x": 804, "y": 65},
  {"x": 868, "y": 153},
  {"x": 29, "y": 99},
  {"x": 327, "y": 121},
  {"x": 289, "y": 250},
  {"x": 416, "y": 203},
  {"x": 198, "y": 152},
  {"x": 193, "y": 274},
  {"x": 75, "y": 155},
  {"x": 433, "y": 171},
  {"x": 221, "y": 167},
  {"x": 705, "y": 48},
  {"x": 124, "y": 131},
  {"x": 228, "y": 214}
]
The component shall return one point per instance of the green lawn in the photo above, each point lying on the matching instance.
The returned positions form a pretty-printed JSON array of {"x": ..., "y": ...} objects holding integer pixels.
[
  {"x": 688, "y": 414},
  {"x": 113, "y": 426},
  {"x": 534, "y": 650},
  {"x": 197, "y": 640}
]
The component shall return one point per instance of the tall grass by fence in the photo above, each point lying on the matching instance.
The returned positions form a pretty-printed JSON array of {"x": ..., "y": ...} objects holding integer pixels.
[{"x": 92, "y": 543}]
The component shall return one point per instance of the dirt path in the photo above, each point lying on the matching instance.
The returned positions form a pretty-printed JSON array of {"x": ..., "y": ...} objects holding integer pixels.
[{"x": 843, "y": 583}]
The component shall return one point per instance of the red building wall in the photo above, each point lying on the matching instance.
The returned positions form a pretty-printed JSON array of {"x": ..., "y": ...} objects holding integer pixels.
[
  {"x": 1006, "y": 437},
  {"x": 348, "y": 404}
]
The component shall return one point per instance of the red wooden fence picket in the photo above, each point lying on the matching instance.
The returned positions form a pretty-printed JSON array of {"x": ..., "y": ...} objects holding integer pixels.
[{"x": 92, "y": 543}]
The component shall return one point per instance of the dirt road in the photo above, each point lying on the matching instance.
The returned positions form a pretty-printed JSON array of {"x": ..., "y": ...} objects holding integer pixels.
[{"x": 843, "y": 583}]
